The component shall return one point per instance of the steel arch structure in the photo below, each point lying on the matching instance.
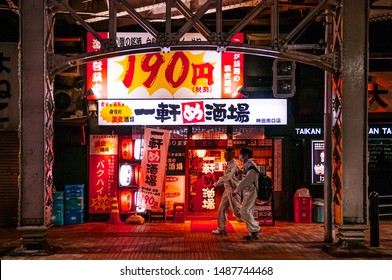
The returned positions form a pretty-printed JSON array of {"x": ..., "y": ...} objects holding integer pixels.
[{"x": 216, "y": 40}]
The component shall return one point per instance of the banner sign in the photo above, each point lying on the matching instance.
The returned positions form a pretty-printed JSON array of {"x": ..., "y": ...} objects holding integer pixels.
[
  {"x": 103, "y": 172},
  {"x": 188, "y": 112},
  {"x": 186, "y": 74},
  {"x": 153, "y": 168},
  {"x": 9, "y": 86}
]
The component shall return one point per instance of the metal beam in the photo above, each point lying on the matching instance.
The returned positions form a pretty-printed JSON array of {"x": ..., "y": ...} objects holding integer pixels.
[
  {"x": 139, "y": 19},
  {"x": 261, "y": 6},
  {"x": 193, "y": 20},
  {"x": 304, "y": 22}
]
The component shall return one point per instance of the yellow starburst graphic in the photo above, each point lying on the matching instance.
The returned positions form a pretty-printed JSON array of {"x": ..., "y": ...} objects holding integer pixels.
[
  {"x": 117, "y": 115},
  {"x": 100, "y": 202},
  {"x": 104, "y": 146}
]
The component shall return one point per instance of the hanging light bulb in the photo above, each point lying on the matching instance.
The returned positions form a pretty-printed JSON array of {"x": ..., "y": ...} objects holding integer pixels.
[{"x": 201, "y": 153}]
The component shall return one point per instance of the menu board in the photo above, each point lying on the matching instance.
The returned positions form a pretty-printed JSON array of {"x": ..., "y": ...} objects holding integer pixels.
[{"x": 380, "y": 155}]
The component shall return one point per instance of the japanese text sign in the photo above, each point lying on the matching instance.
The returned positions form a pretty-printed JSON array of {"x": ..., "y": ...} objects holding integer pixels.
[
  {"x": 9, "y": 86},
  {"x": 183, "y": 74},
  {"x": 103, "y": 172},
  {"x": 188, "y": 112},
  {"x": 153, "y": 168}
]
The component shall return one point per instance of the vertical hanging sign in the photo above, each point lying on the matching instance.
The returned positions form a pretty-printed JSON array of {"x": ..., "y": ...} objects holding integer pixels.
[
  {"x": 97, "y": 70},
  {"x": 103, "y": 172},
  {"x": 9, "y": 86},
  {"x": 153, "y": 168},
  {"x": 233, "y": 71}
]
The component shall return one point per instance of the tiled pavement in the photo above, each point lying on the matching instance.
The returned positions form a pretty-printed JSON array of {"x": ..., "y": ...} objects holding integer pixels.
[{"x": 175, "y": 241}]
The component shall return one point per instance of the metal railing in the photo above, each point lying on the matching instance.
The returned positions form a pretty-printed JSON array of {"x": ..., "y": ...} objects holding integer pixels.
[
  {"x": 374, "y": 215},
  {"x": 385, "y": 205}
]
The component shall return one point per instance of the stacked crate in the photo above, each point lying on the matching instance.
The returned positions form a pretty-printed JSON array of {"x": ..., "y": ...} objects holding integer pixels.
[
  {"x": 58, "y": 208},
  {"x": 74, "y": 204},
  {"x": 302, "y": 209}
]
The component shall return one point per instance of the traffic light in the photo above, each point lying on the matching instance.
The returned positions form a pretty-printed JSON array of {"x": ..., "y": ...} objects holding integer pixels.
[{"x": 283, "y": 78}]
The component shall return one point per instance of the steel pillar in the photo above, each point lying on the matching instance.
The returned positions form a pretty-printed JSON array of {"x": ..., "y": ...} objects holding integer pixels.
[
  {"x": 349, "y": 132},
  {"x": 329, "y": 232},
  {"x": 36, "y": 127}
]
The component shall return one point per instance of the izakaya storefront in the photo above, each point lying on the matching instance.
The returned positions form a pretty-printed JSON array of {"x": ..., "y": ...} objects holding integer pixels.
[{"x": 180, "y": 111}]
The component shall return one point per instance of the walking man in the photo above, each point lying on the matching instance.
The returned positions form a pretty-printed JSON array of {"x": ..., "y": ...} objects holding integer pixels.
[
  {"x": 228, "y": 200},
  {"x": 248, "y": 186}
]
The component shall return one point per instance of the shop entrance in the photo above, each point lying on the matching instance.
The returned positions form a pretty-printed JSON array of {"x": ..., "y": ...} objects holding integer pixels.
[{"x": 205, "y": 167}]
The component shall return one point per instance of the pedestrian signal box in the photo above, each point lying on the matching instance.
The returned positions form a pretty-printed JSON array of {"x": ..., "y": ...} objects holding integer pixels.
[{"x": 283, "y": 85}]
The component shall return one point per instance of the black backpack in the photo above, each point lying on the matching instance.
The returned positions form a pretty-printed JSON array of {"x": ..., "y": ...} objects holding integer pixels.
[{"x": 264, "y": 190}]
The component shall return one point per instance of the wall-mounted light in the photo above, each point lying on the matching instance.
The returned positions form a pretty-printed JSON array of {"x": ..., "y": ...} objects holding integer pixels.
[
  {"x": 138, "y": 149},
  {"x": 127, "y": 149},
  {"x": 201, "y": 153},
  {"x": 129, "y": 175},
  {"x": 127, "y": 200}
]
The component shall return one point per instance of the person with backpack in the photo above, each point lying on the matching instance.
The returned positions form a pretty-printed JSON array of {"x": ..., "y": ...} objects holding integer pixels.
[
  {"x": 248, "y": 187},
  {"x": 228, "y": 200}
]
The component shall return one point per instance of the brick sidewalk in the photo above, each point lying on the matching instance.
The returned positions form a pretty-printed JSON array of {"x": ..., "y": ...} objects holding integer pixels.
[{"x": 173, "y": 241}]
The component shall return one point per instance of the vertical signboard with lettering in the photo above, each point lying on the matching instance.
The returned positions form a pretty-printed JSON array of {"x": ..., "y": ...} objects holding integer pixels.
[
  {"x": 97, "y": 70},
  {"x": 317, "y": 162},
  {"x": 153, "y": 168},
  {"x": 9, "y": 86},
  {"x": 232, "y": 71},
  {"x": 103, "y": 172},
  {"x": 175, "y": 175}
]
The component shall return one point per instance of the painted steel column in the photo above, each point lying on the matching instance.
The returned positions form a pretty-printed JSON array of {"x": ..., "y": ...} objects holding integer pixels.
[
  {"x": 328, "y": 217},
  {"x": 36, "y": 128},
  {"x": 351, "y": 204}
]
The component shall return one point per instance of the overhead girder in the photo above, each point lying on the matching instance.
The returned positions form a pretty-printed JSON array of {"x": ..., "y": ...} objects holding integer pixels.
[{"x": 216, "y": 40}]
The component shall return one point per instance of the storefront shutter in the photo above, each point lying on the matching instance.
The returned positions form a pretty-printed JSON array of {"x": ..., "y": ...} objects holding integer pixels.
[{"x": 9, "y": 171}]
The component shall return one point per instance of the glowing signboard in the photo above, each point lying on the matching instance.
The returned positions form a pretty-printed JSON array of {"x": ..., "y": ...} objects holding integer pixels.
[
  {"x": 190, "y": 111},
  {"x": 187, "y": 74}
]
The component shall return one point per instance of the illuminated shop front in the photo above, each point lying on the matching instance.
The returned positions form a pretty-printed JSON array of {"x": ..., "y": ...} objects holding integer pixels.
[
  {"x": 310, "y": 146},
  {"x": 195, "y": 97}
]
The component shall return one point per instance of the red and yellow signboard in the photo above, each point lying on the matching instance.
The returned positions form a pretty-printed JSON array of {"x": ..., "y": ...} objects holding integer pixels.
[
  {"x": 186, "y": 74},
  {"x": 103, "y": 172}
]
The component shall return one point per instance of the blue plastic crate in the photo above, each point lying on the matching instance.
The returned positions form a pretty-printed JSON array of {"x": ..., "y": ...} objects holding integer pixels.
[
  {"x": 58, "y": 218},
  {"x": 74, "y": 207},
  {"x": 58, "y": 207},
  {"x": 74, "y": 200},
  {"x": 74, "y": 217},
  {"x": 58, "y": 197},
  {"x": 74, "y": 190}
]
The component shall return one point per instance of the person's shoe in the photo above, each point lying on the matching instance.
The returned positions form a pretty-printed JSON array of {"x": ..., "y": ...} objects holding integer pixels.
[
  {"x": 219, "y": 232},
  {"x": 252, "y": 236}
]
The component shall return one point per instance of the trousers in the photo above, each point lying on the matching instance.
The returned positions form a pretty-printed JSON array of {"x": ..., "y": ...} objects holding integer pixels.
[
  {"x": 228, "y": 201},
  {"x": 248, "y": 208}
]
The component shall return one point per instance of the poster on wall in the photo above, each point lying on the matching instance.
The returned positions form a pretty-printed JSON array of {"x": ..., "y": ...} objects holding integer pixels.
[
  {"x": 153, "y": 168},
  {"x": 174, "y": 192},
  {"x": 103, "y": 172},
  {"x": 317, "y": 162},
  {"x": 182, "y": 74}
]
